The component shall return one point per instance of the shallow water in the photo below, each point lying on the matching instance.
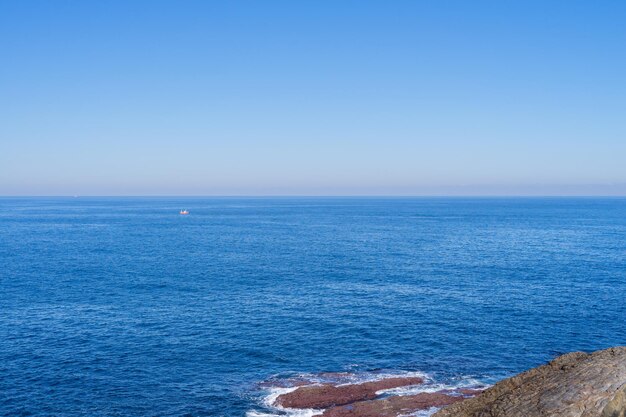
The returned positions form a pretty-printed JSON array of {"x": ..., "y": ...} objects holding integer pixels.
[{"x": 120, "y": 306}]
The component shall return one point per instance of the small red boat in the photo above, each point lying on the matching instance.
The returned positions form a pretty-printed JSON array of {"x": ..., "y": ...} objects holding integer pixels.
[{"x": 184, "y": 212}]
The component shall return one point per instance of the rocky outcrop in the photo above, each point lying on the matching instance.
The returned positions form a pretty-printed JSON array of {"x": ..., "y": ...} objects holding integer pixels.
[
  {"x": 366, "y": 399},
  {"x": 327, "y": 395},
  {"x": 393, "y": 406},
  {"x": 617, "y": 406},
  {"x": 573, "y": 385}
]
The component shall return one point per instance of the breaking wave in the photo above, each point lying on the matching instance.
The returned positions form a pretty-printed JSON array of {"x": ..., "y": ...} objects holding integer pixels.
[{"x": 270, "y": 389}]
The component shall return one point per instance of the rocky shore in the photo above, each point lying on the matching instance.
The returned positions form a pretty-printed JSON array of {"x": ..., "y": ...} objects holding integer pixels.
[
  {"x": 369, "y": 399},
  {"x": 327, "y": 395},
  {"x": 573, "y": 385}
]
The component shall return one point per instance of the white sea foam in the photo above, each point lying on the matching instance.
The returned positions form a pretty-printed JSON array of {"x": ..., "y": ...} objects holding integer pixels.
[
  {"x": 428, "y": 386},
  {"x": 286, "y": 413},
  {"x": 277, "y": 411},
  {"x": 422, "y": 413},
  {"x": 275, "y": 393},
  {"x": 371, "y": 377}
]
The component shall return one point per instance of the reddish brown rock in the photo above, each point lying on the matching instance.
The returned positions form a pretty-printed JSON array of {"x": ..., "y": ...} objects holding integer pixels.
[
  {"x": 470, "y": 392},
  {"x": 323, "y": 396},
  {"x": 392, "y": 406}
]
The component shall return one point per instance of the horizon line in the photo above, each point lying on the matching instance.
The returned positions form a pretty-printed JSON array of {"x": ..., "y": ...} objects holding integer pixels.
[{"x": 317, "y": 196}]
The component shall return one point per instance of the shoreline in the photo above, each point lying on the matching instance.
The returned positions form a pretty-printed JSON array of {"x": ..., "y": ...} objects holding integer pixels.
[{"x": 576, "y": 384}]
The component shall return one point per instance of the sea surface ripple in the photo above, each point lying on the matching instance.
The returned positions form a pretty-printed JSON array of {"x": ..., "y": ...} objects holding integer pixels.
[{"x": 121, "y": 306}]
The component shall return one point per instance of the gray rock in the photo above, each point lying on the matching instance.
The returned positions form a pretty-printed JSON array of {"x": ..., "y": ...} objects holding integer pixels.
[{"x": 573, "y": 385}]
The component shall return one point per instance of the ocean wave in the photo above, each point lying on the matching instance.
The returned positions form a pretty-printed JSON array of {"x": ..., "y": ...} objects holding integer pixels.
[
  {"x": 430, "y": 386},
  {"x": 278, "y": 385}
]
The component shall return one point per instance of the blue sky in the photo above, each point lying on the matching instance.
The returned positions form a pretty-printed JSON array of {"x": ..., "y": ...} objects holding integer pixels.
[{"x": 312, "y": 97}]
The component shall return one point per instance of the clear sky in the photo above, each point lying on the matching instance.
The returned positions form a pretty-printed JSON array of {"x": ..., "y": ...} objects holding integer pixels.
[{"x": 312, "y": 97}]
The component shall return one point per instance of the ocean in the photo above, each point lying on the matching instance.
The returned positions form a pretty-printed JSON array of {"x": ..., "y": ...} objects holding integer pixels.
[{"x": 123, "y": 307}]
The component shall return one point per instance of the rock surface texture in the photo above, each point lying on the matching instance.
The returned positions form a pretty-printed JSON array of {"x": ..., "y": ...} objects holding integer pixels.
[
  {"x": 392, "y": 406},
  {"x": 368, "y": 399},
  {"x": 573, "y": 385},
  {"x": 323, "y": 396}
]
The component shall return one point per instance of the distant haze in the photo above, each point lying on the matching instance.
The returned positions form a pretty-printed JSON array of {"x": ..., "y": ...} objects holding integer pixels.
[{"x": 313, "y": 98}]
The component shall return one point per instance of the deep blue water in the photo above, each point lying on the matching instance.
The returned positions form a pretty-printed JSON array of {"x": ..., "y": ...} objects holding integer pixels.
[{"x": 120, "y": 306}]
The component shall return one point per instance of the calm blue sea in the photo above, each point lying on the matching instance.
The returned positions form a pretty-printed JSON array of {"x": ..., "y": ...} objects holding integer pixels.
[{"x": 123, "y": 307}]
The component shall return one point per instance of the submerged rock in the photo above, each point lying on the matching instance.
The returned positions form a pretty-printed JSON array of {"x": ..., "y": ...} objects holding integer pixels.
[
  {"x": 285, "y": 383},
  {"x": 326, "y": 395},
  {"x": 573, "y": 385},
  {"x": 392, "y": 406}
]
